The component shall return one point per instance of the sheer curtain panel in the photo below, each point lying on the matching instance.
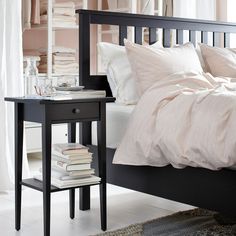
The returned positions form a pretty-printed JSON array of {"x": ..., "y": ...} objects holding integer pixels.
[
  {"x": 200, "y": 9},
  {"x": 11, "y": 84}
]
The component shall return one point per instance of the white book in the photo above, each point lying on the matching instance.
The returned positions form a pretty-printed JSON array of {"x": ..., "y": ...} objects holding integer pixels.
[
  {"x": 64, "y": 166},
  {"x": 80, "y": 94},
  {"x": 72, "y": 156},
  {"x": 65, "y": 175},
  {"x": 84, "y": 91},
  {"x": 70, "y": 148},
  {"x": 72, "y": 162},
  {"x": 71, "y": 183},
  {"x": 74, "y": 173},
  {"x": 61, "y": 97}
]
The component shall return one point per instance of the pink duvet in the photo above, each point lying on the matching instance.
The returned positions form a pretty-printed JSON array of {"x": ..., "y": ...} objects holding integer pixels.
[{"x": 183, "y": 120}]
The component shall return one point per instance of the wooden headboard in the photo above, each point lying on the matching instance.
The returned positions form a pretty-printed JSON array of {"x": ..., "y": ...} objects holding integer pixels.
[{"x": 220, "y": 35}]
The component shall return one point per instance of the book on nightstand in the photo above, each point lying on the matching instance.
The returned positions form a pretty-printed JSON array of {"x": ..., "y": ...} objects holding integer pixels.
[
  {"x": 68, "y": 167},
  {"x": 71, "y": 166},
  {"x": 84, "y": 160},
  {"x": 70, "y": 148},
  {"x": 72, "y": 157},
  {"x": 80, "y": 94},
  {"x": 65, "y": 175},
  {"x": 72, "y": 182}
]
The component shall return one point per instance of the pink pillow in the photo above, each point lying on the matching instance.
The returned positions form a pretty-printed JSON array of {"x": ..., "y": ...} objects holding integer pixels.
[
  {"x": 151, "y": 65},
  {"x": 219, "y": 61}
]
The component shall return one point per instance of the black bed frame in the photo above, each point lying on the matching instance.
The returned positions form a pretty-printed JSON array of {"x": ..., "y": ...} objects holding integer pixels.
[{"x": 213, "y": 190}]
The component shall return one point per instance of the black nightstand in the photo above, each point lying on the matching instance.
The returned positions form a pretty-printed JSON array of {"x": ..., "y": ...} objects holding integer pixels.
[{"x": 48, "y": 112}]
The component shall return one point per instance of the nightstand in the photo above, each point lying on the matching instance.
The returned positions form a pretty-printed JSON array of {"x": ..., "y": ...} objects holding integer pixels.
[{"x": 48, "y": 112}]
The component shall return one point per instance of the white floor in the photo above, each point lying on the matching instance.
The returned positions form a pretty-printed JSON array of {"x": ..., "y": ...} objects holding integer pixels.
[{"x": 124, "y": 207}]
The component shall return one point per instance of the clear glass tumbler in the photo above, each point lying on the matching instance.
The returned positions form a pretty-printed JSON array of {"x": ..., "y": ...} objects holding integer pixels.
[{"x": 44, "y": 86}]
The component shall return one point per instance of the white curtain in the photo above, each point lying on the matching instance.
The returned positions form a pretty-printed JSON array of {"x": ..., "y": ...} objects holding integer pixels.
[
  {"x": 200, "y": 9},
  {"x": 195, "y": 9},
  {"x": 11, "y": 84}
]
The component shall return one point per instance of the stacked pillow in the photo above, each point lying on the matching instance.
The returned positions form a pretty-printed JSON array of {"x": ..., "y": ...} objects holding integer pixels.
[
  {"x": 219, "y": 61},
  {"x": 119, "y": 73},
  {"x": 150, "y": 66},
  {"x": 132, "y": 69}
]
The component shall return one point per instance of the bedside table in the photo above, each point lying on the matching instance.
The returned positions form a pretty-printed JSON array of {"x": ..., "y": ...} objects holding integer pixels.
[{"x": 48, "y": 112}]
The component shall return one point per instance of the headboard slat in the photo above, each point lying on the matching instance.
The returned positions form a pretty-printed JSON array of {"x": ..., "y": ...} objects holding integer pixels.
[
  {"x": 152, "y": 35},
  {"x": 138, "y": 37},
  {"x": 204, "y": 37},
  {"x": 123, "y": 33},
  {"x": 192, "y": 37},
  {"x": 216, "y": 39},
  {"x": 179, "y": 36},
  {"x": 226, "y": 40},
  {"x": 166, "y": 38}
]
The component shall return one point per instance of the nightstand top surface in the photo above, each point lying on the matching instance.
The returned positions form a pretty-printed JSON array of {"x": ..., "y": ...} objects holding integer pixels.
[{"x": 55, "y": 101}]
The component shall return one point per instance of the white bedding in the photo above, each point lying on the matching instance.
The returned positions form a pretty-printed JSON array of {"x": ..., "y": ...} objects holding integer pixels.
[
  {"x": 183, "y": 120},
  {"x": 117, "y": 122}
]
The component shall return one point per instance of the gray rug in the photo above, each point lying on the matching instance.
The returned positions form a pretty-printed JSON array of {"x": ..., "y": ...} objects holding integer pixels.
[{"x": 197, "y": 222}]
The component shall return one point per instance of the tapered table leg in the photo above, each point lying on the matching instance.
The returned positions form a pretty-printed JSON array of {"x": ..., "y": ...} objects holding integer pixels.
[
  {"x": 84, "y": 192},
  {"x": 72, "y": 203},
  {"x": 72, "y": 139},
  {"x": 18, "y": 162},
  {"x": 46, "y": 163},
  {"x": 84, "y": 198},
  {"x": 101, "y": 131}
]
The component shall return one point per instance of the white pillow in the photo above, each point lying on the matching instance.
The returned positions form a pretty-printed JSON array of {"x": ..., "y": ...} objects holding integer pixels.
[
  {"x": 119, "y": 73},
  {"x": 151, "y": 66},
  {"x": 219, "y": 61}
]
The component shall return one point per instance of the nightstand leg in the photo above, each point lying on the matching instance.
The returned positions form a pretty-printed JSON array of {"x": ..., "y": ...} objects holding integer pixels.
[
  {"x": 46, "y": 164},
  {"x": 72, "y": 203},
  {"x": 18, "y": 162},
  {"x": 103, "y": 206},
  {"x": 72, "y": 139},
  {"x": 84, "y": 198},
  {"x": 101, "y": 131},
  {"x": 85, "y": 139}
]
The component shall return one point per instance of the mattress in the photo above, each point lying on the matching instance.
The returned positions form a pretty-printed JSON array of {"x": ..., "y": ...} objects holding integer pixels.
[{"x": 117, "y": 121}]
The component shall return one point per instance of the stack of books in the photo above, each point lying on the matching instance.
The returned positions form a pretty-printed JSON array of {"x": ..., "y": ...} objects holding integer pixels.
[
  {"x": 79, "y": 94},
  {"x": 71, "y": 166}
]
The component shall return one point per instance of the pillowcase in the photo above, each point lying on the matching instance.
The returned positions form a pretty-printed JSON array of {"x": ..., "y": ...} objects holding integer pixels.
[
  {"x": 151, "y": 66},
  {"x": 119, "y": 73},
  {"x": 219, "y": 61},
  {"x": 199, "y": 53}
]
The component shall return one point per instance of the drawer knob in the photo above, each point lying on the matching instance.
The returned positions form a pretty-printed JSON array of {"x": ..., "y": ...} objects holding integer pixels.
[{"x": 76, "y": 110}]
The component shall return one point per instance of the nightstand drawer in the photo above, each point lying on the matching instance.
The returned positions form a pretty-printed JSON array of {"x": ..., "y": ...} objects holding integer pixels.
[{"x": 74, "y": 111}]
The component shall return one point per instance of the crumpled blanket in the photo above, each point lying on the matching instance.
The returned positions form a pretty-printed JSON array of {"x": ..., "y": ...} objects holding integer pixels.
[{"x": 183, "y": 120}]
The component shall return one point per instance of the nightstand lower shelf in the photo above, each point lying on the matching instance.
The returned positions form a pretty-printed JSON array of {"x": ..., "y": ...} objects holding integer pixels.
[{"x": 38, "y": 185}]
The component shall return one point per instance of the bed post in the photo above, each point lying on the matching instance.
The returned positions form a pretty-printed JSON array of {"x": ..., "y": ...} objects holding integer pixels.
[{"x": 84, "y": 74}]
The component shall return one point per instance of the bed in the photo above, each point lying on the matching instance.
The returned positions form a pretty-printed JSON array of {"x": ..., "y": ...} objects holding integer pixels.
[{"x": 213, "y": 190}]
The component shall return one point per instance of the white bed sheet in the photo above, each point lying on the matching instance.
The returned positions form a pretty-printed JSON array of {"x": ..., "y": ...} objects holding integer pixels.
[{"x": 117, "y": 122}]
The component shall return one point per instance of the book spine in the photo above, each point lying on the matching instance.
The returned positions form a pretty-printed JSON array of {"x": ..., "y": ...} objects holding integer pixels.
[
  {"x": 73, "y": 156},
  {"x": 72, "y": 162},
  {"x": 66, "y": 167},
  {"x": 78, "y": 167},
  {"x": 61, "y": 165}
]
